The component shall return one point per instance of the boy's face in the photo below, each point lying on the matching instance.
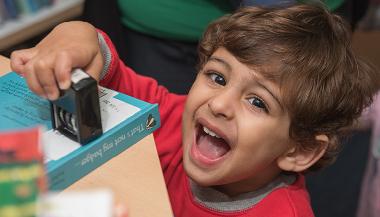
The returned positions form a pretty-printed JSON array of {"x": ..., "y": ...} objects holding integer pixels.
[{"x": 234, "y": 127}]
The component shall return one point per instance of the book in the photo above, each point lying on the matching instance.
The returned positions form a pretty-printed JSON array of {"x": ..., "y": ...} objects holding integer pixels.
[
  {"x": 3, "y": 12},
  {"x": 11, "y": 8},
  {"x": 125, "y": 121}
]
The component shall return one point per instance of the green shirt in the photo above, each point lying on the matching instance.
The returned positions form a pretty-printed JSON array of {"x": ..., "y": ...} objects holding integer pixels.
[
  {"x": 183, "y": 20},
  {"x": 332, "y": 5}
]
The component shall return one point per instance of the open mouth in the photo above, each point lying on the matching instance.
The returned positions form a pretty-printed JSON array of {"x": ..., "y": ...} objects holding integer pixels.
[{"x": 211, "y": 145}]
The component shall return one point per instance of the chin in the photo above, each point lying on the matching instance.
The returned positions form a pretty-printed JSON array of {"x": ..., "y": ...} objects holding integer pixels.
[
  {"x": 199, "y": 176},
  {"x": 200, "y": 180}
]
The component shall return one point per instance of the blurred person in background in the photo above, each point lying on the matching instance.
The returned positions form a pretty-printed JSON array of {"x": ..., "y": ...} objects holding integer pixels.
[
  {"x": 369, "y": 201},
  {"x": 158, "y": 38}
]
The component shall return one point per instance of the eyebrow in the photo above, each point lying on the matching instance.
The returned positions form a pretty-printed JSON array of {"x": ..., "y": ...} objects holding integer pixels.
[{"x": 221, "y": 61}]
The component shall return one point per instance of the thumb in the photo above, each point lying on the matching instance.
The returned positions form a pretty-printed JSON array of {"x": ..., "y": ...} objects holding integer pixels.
[{"x": 19, "y": 59}]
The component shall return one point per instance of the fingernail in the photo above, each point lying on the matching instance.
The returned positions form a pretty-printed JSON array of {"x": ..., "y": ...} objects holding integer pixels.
[
  {"x": 51, "y": 96},
  {"x": 63, "y": 85}
]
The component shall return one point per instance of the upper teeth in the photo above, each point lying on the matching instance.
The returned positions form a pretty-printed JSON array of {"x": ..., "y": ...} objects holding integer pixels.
[{"x": 209, "y": 132}]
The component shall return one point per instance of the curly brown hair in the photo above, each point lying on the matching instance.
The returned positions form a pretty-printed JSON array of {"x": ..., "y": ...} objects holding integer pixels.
[{"x": 307, "y": 51}]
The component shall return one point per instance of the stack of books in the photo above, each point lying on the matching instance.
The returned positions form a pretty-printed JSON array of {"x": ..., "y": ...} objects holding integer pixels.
[{"x": 14, "y": 9}]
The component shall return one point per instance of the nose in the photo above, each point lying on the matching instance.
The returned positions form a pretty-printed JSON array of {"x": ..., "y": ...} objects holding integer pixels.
[{"x": 222, "y": 104}]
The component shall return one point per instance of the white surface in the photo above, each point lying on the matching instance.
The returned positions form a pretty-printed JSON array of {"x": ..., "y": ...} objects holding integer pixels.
[
  {"x": 78, "y": 75},
  {"x": 90, "y": 203}
]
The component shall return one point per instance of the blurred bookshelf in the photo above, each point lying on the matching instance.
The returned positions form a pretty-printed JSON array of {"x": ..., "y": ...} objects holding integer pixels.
[{"x": 21, "y": 20}]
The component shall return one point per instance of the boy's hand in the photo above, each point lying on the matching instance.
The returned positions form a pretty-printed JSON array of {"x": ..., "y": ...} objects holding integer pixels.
[{"x": 47, "y": 66}]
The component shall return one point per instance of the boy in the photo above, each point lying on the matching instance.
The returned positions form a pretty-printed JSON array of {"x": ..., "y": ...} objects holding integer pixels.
[{"x": 275, "y": 90}]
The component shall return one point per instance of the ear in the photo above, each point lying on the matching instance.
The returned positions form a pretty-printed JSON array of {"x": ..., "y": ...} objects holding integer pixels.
[{"x": 297, "y": 159}]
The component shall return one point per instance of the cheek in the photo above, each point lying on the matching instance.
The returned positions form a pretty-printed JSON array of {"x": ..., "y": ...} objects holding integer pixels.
[
  {"x": 197, "y": 97},
  {"x": 193, "y": 103},
  {"x": 264, "y": 136}
]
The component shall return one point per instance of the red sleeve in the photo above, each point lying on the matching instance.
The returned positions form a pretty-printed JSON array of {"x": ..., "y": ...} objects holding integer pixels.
[{"x": 121, "y": 78}]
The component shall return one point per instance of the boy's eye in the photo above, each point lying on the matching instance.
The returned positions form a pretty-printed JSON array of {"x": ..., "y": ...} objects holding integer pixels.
[
  {"x": 257, "y": 102},
  {"x": 217, "y": 79}
]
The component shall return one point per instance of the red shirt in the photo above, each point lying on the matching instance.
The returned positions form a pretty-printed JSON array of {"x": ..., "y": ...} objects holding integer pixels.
[{"x": 288, "y": 201}]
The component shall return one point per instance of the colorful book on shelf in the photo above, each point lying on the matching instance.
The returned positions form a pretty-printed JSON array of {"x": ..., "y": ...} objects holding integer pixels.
[
  {"x": 3, "y": 12},
  {"x": 33, "y": 5},
  {"x": 11, "y": 8},
  {"x": 125, "y": 121}
]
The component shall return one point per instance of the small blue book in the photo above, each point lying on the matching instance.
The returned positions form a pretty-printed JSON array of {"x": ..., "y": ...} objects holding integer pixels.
[
  {"x": 125, "y": 121},
  {"x": 3, "y": 12},
  {"x": 11, "y": 8}
]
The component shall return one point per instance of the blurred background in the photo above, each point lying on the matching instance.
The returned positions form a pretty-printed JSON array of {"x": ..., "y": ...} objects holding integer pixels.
[{"x": 334, "y": 191}]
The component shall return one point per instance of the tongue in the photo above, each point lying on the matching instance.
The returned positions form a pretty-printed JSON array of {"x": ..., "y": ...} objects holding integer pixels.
[{"x": 212, "y": 147}]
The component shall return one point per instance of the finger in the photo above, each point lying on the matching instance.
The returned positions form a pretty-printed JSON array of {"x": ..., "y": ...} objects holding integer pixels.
[
  {"x": 62, "y": 70},
  {"x": 32, "y": 81},
  {"x": 19, "y": 59},
  {"x": 46, "y": 78},
  {"x": 67, "y": 60}
]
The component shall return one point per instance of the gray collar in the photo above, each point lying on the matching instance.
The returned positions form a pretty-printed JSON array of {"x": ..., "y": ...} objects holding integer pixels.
[{"x": 218, "y": 201}]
